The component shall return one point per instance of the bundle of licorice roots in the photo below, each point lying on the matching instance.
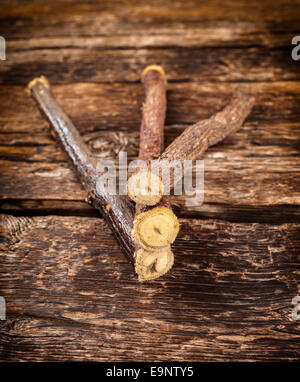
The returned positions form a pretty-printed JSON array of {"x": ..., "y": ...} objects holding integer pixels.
[{"x": 145, "y": 232}]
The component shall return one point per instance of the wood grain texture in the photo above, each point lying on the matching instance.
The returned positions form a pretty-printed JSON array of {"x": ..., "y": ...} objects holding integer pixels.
[
  {"x": 73, "y": 287},
  {"x": 121, "y": 104},
  {"x": 116, "y": 210},
  {"x": 29, "y": 169},
  {"x": 70, "y": 294},
  {"x": 136, "y": 23},
  {"x": 271, "y": 132},
  {"x": 96, "y": 65}
]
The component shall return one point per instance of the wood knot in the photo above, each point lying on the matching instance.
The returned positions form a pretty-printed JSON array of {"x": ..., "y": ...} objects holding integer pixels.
[{"x": 12, "y": 229}]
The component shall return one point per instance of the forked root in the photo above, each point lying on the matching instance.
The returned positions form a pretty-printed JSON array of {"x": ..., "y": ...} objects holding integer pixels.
[
  {"x": 156, "y": 228},
  {"x": 151, "y": 265},
  {"x": 147, "y": 188}
]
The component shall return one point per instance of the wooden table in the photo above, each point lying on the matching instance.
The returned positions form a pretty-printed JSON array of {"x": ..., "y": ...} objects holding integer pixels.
[{"x": 70, "y": 293}]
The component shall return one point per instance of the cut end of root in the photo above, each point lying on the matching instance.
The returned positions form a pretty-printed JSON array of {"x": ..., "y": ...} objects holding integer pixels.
[
  {"x": 156, "y": 68},
  {"x": 156, "y": 228},
  {"x": 144, "y": 187},
  {"x": 151, "y": 265},
  {"x": 41, "y": 79}
]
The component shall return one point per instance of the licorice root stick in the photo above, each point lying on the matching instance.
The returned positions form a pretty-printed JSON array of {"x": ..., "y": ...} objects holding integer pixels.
[
  {"x": 190, "y": 145},
  {"x": 116, "y": 210},
  {"x": 155, "y": 228}
]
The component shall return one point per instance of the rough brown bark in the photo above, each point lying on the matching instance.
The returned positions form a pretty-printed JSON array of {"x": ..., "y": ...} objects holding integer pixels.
[
  {"x": 152, "y": 128},
  {"x": 153, "y": 119},
  {"x": 154, "y": 113},
  {"x": 154, "y": 229},
  {"x": 116, "y": 210},
  {"x": 195, "y": 140},
  {"x": 191, "y": 145}
]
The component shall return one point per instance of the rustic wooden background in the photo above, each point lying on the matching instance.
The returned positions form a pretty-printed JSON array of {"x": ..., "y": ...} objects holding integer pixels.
[{"x": 70, "y": 293}]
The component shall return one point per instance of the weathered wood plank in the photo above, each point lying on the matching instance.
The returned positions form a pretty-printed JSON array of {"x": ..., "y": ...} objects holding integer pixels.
[
  {"x": 70, "y": 293},
  {"x": 134, "y": 24},
  {"x": 95, "y": 107},
  {"x": 137, "y": 10},
  {"x": 274, "y": 214},
  {"x": 257, "y": 166},
  {"x": 253, "y": 139},
  {"x": 193, "y": 35},
  {"x": 94, "y": 65},
  {"x": 247, "y": 182},
  {"x": 233, "y": 300}
]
